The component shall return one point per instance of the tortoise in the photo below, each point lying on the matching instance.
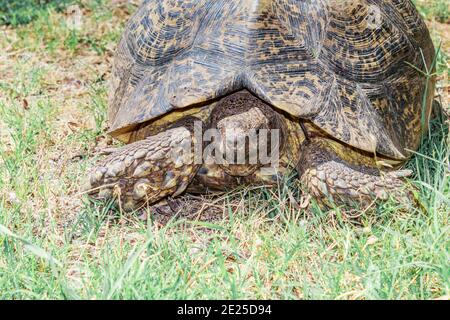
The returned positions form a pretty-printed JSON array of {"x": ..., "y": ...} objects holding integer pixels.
[{"x": 333, "y": 78}]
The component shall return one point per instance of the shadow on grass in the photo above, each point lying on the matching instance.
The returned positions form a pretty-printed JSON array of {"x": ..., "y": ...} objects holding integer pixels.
[{"x": 430, "y": 162}]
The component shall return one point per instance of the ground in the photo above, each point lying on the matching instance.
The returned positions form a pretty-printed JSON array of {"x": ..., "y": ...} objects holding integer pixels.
[{"x": 251, "y": 243}]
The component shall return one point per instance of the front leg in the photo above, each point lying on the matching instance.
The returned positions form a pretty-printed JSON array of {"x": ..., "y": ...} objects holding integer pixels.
[
  {"x": 148, "y": 170},
  {"x": 330, "y": 170}
]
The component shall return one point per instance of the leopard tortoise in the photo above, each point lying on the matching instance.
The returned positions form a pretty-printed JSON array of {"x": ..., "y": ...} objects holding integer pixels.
[{"x": 334, "y": 77}]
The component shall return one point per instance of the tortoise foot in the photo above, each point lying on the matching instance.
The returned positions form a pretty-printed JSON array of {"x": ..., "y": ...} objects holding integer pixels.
[
  {"x": 146, "y": 171},
  {"x": 328, "y": 177}
]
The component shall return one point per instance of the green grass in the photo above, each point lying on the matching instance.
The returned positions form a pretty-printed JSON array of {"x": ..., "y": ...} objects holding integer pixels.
[
  {"x": 16, "y": 12},
  {"x": 56, "y": 244},
  {"x": 436, "y": 9}
]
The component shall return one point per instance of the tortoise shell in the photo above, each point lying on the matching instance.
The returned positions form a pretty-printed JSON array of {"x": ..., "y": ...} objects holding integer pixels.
[{"x": 346, "y": 66}]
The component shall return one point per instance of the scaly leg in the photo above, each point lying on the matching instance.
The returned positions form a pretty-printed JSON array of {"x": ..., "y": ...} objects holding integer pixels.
[
  {"x": 148, "y": 170},
  {"x": 333, "y": 171}
]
